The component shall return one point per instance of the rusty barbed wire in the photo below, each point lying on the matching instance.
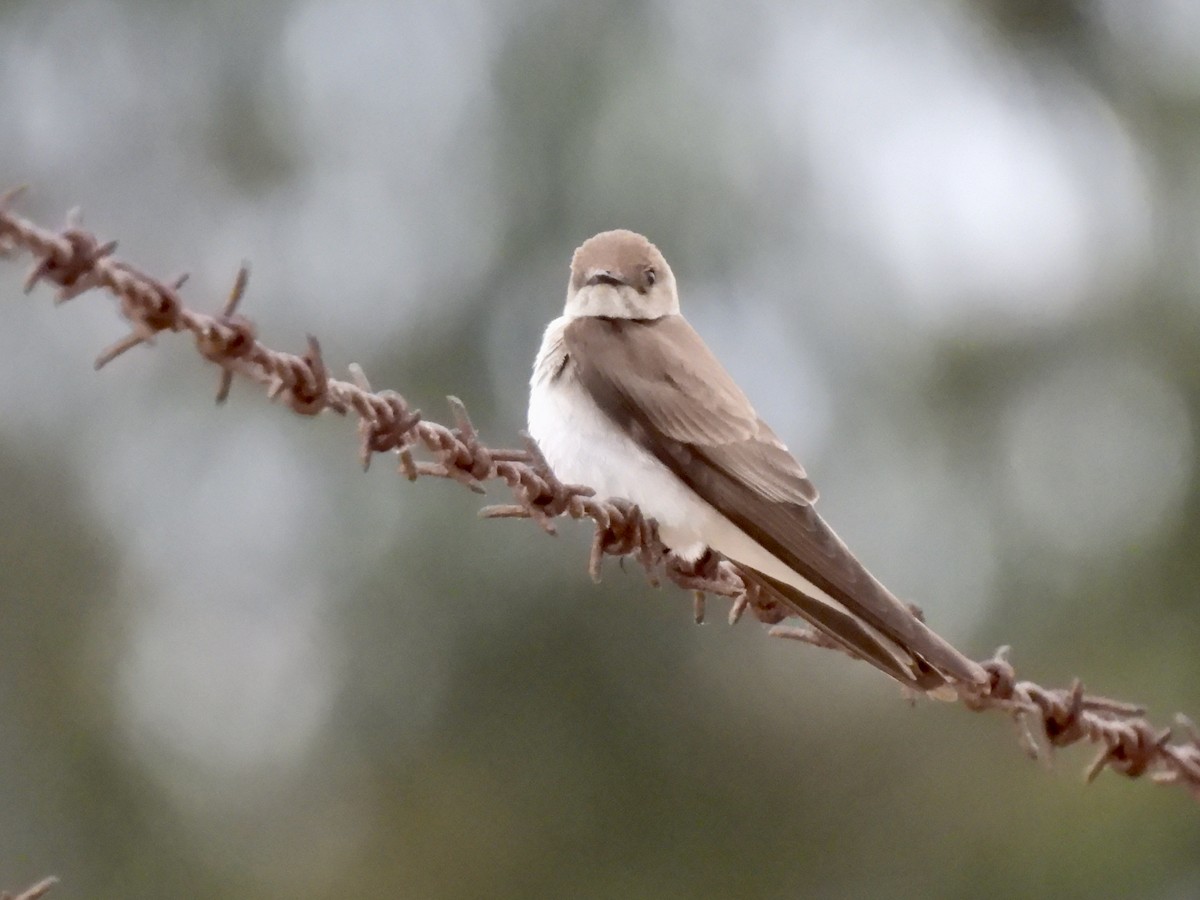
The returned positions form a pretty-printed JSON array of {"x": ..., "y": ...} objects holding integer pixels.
[{"x": 75, "y": 260}]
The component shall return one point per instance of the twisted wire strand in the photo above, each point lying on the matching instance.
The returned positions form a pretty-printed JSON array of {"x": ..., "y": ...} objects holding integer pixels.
[{"x": 75, "y": 261}]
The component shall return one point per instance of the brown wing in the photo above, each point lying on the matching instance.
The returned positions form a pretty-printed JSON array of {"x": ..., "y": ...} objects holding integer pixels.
[
  {"x": 657, "y": 379},
  {"x": 685, "y": 396}
]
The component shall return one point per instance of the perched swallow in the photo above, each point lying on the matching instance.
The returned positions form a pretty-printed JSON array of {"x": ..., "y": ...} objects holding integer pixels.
[{"x": 627, "y": 399}]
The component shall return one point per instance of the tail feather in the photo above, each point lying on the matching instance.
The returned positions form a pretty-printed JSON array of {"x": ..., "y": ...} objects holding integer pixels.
[{"x": 854, "y": 636}]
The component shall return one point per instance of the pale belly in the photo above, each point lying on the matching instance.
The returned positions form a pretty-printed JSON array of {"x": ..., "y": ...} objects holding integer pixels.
[{"x": 584, "y": 447}]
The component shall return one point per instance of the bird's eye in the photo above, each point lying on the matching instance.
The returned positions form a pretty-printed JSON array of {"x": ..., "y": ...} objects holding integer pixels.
[{"x": 651, "y": 277}]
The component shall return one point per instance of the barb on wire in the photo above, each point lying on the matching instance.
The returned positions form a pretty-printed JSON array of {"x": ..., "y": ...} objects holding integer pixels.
[
  {"x": 75, "y": 260},
  {"x": 33, "y": 892}
]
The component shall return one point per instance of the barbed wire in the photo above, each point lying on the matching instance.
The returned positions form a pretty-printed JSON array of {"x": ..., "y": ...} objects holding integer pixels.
[{"x": 76, "y": 261}]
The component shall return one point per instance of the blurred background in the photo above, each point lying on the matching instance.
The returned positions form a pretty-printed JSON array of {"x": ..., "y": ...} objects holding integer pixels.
[{"x": 949, "y": 248}]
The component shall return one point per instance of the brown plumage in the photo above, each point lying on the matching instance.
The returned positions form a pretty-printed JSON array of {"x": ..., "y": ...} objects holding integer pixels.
[{"x": 684, "y": 441}]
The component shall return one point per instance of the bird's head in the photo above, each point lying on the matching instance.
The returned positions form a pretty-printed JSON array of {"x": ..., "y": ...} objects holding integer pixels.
[{"x": 620, "y": 275}]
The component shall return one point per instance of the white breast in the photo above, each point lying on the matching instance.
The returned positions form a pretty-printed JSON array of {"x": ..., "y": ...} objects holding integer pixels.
[{"x": 584, "y": 447}]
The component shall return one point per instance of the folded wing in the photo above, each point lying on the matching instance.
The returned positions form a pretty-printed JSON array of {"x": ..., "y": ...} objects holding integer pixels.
[{"x": 657, "y": 379}]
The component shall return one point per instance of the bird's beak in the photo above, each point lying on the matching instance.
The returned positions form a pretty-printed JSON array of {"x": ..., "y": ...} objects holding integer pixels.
[{"x": 603, "y": 276}]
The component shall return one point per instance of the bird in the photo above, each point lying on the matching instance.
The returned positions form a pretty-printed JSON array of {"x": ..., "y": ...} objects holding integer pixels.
[{"x": 627, "y": 399}]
